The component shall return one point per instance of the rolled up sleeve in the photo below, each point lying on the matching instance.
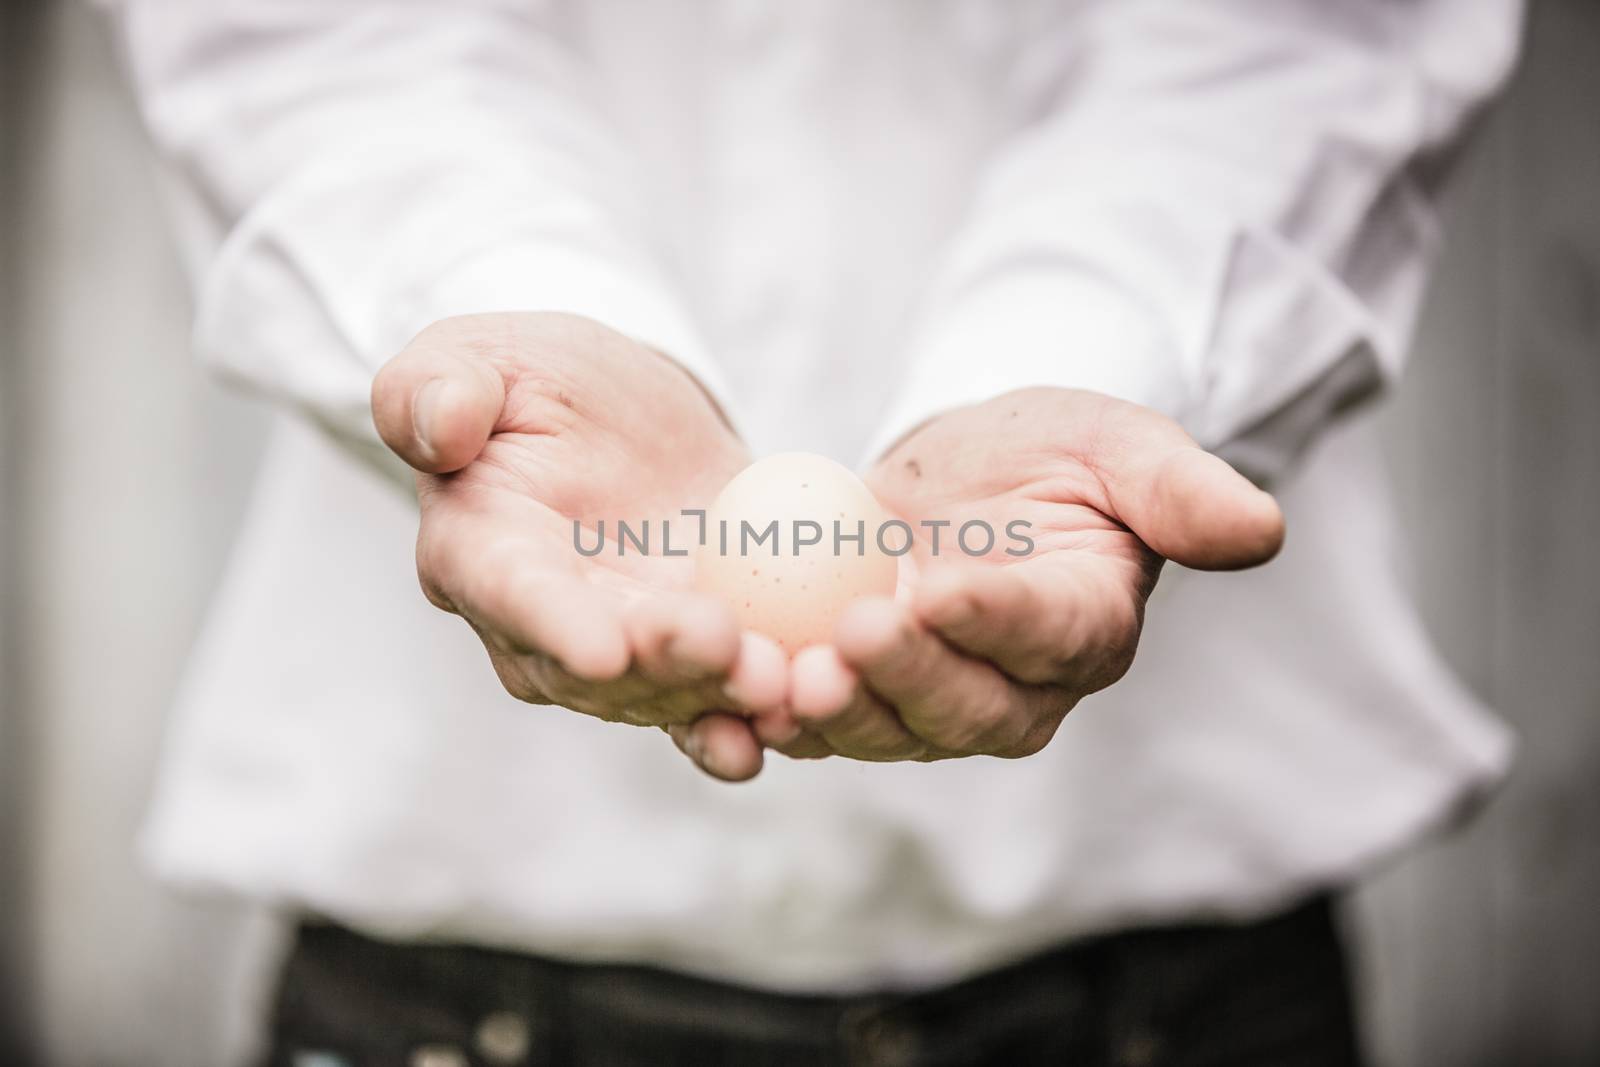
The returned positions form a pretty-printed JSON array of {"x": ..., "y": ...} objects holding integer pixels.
[
  {"x": 1223, "y": 210},
  {"x": 349, "y": 171}
]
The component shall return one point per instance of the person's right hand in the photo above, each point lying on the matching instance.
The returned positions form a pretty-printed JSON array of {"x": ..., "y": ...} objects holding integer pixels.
[
  {"x": 986, "y": 655},
  {"x": 521, "y": 423}
]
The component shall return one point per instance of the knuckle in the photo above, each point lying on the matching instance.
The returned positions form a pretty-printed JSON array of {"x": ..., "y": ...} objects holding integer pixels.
[
  {"x": 430, "y": 552},
  {"x": 434, "y": 567},
  {"x": 830, "y": 723},
  {"x": 1115, "y": 665},
  {"x": 902, "y": 750},
  {"x": 1013, "y": 740},
  {"x": 641, "y": 715},
  {"x": 1127, "y": 622},
  {"x": 1115, "y": 654},
  {"x": 988, "y": 727},
  {"x": 515, "y": 679},
  {"x": 492, "y": 640},
  {"x": 990, "y": 717},
  {"x": 435, "y": 595},
  {"x": 1039, "y": 666},
  {"x": 1029, "y": 743},
  {"x": 1041, "y": 731},
  {"x": 954, "y": 734},
  {"x": 560, "y": 686}
]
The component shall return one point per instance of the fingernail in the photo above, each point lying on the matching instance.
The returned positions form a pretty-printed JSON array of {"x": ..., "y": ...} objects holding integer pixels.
[
  {"x": 694, "y": 747},
  {"x": 424, "y": 412},
  {"x": 712, "y": 764},
  {"x": 708, "y": 758}
]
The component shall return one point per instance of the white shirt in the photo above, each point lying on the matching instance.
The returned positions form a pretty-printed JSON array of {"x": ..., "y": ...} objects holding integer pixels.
[{"x": 843, "y": 217}]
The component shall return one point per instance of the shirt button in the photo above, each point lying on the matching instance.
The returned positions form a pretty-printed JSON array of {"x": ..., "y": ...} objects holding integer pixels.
[
  {"x": 318, "y": 1058},
  {"x": 1140, "y": 1049},
  {"x": 886, "y": 1044},
  {"x": 437, "y": 1056},
  {"x": 503, "y": 1038}
]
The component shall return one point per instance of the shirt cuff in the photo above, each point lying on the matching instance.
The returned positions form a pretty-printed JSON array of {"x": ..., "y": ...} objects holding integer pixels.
[{"x": 322, "y": 358}]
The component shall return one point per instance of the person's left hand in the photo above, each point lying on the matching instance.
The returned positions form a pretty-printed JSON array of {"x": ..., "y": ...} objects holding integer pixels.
[{"x": 988, "y": 655}]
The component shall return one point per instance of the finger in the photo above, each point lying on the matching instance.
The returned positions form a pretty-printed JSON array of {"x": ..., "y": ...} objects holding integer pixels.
[
  {"x": 543, "y": 680},
  {"x": 525, "y": 606},
  {"x": 760, "y": 679},
  {"x": 777, "y": 728},
  {"x": 1055, "y": 620},
  {"x": 521, "y": 676},
  {"x": 805, "y": 745},
  {"x": 1181, "y": 500},
  {"x": 722, "y": 745},
  {"x": 680, "y": 641},
  {"x": 953, "y": 702},
  {"x": 828, "y": 700},
  {"x": 437, "y": 402},
  {"x": 538, "y": 679},
  {"x": 691, "y": 652}
]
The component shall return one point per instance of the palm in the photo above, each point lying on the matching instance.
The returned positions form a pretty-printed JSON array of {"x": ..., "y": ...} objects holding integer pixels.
[
  {"x": 1049, "y": 497},
  {"x": 982, "y": 465},
  {"x": 988, "y": 654},
  {"x": 589, "y": 444}
]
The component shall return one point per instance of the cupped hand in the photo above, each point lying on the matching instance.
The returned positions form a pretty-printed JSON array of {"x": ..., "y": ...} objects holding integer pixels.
[
  {"x": 521, "y": 424},
  {"x": 987, "y": 655}
]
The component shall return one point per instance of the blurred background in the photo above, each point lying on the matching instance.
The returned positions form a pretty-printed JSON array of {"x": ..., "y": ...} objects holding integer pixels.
[{"x": 123, "y": 474}]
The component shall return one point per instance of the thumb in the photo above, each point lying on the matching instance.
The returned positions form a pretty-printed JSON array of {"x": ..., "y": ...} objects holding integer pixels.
[
  {"x": 1190, "y": 506},
  {"x": 435, "y": 405}
]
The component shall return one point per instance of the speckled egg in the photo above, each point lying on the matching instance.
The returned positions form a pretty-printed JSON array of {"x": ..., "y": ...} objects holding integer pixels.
[{"x": 781, "y": 547}]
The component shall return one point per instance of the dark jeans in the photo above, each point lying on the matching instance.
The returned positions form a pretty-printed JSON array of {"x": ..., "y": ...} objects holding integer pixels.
[{"x": 1271, "y": 993}]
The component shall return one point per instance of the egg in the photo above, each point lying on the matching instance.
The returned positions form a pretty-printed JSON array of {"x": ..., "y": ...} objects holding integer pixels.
[{"x": 792, "y": 582}]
